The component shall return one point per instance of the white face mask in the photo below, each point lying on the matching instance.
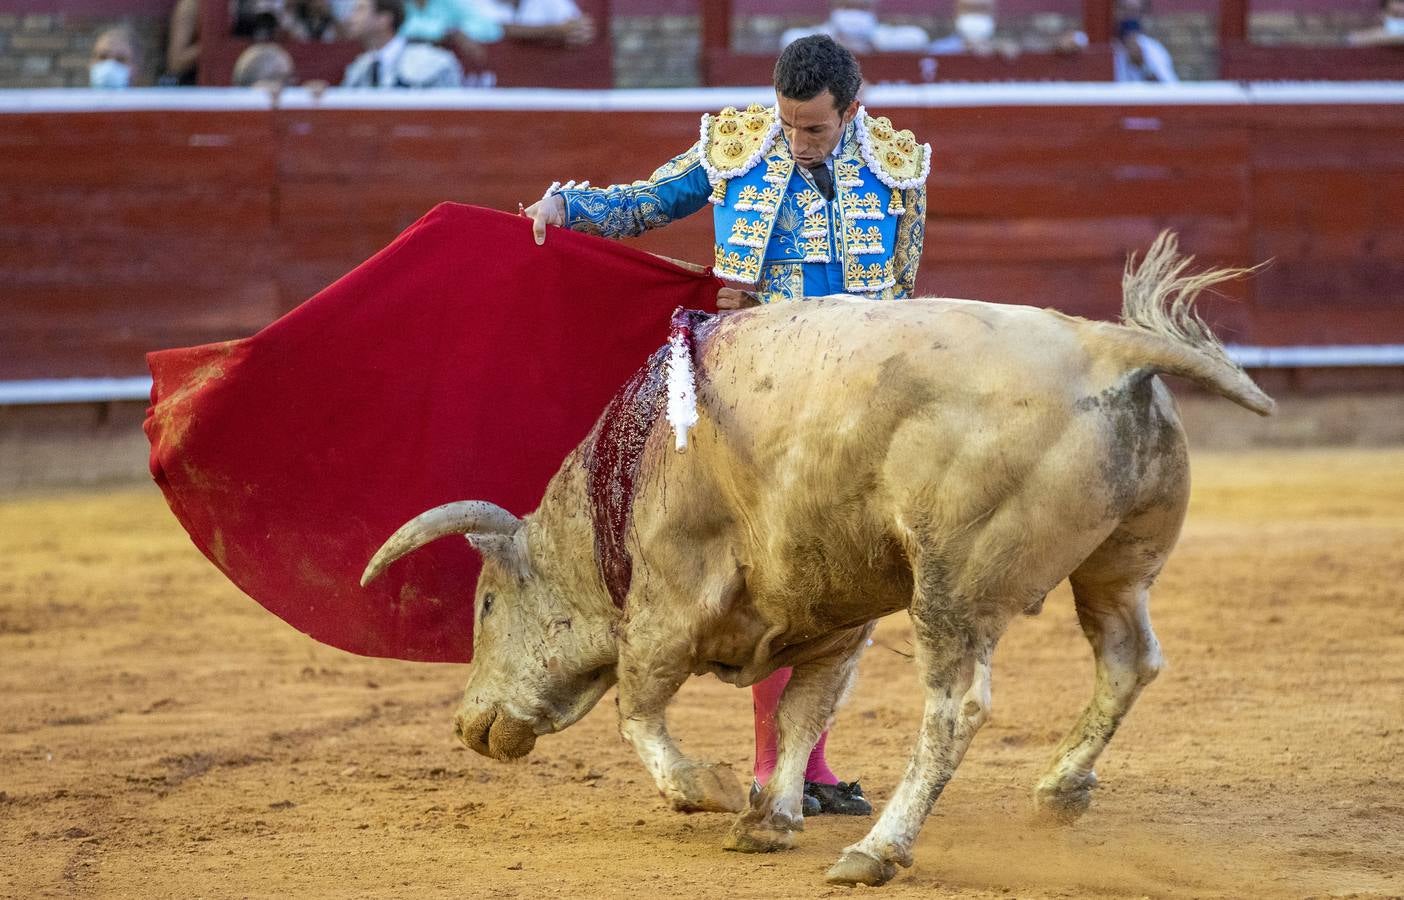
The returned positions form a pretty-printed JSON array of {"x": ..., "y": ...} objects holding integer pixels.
[
  {"x": 1394, "y": 25},
  {"x": 975, "y": 28},
  {"x": 109, "y": 73},
  {"x": 854, "y": 21}
]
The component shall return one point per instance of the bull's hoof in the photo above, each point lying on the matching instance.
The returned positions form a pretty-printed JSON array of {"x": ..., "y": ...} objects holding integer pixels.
[
  {"x": 1063, "y": 803},
  {"x": 705, "y": 788},
  {"x": 857, "y": 867},
  {"x": 755, "y": 834}
]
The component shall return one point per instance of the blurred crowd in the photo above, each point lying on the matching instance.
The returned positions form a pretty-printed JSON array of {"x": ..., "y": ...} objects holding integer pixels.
[
  {"x": 1137, "y": 56},
  {"x": 441, "y": 43},
  {"x": 404, "y": 43}
]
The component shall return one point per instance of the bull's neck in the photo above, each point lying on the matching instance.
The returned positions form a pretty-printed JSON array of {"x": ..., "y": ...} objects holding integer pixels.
[{"x": 562, "y": 537}]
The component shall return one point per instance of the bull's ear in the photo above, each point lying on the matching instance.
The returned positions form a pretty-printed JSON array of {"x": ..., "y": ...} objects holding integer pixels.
[
  {"x": 474, "y": 518},
  {"x": 507, "y": 550}
]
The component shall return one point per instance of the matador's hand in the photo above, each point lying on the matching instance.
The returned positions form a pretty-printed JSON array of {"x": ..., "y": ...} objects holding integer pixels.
[{"x": 546, "y": 211}]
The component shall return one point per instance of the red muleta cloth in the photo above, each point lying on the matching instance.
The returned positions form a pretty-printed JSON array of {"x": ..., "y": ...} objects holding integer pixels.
[{"x": 460, "y": 362}]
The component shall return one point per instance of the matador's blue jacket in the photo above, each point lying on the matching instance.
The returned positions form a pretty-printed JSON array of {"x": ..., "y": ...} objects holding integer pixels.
[{"x": 774, "y": 230}]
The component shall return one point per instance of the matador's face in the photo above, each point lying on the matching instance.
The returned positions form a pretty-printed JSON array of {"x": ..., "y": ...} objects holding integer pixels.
[{"x": 813, "y": 127}]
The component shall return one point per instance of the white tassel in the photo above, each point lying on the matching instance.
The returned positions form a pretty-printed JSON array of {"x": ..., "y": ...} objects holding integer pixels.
[{"x": 682, "y": 391}]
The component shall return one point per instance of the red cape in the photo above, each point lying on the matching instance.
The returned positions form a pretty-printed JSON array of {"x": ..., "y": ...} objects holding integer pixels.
[{"x": 460, "y": 362}]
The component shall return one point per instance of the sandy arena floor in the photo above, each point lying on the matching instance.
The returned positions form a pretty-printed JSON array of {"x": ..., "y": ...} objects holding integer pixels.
[{"x": 163, "y": 736}]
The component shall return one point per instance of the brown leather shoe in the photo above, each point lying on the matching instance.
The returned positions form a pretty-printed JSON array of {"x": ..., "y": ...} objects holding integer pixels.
[{"x": 842, "y": 799}]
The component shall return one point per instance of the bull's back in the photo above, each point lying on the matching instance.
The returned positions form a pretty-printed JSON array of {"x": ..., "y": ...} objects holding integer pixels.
[
  {"x": 851, "y": 433},
  {"x": 858, "y": 368}
]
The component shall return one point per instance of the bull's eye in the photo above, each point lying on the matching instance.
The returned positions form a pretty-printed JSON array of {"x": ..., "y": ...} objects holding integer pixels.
[{"x": 487, "y": 604}]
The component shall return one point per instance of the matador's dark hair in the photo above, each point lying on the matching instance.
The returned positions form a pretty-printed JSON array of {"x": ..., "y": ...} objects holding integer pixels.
[{"x": 811, "y": 64}]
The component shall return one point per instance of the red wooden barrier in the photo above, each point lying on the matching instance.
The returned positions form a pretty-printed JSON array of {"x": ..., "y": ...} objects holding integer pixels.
[{"x": 126, "y": 231}]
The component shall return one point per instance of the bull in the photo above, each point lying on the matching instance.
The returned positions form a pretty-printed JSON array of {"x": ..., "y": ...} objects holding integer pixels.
[{"x": 952, "y": 458}]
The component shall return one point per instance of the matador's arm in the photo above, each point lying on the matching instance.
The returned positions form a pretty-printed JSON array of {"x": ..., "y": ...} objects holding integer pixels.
[
  {"x": 911, "y": 234},
  {"x": 677, "y": 189}
]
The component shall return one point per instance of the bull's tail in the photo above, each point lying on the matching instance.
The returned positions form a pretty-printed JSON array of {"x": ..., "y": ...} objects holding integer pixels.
[{"x": 1167, "y": 335}]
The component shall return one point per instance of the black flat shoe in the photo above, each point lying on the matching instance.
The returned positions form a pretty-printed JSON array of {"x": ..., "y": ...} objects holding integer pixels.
[
  {"x": 809, "y": 806},
  {"x": 842, "y": 799}
]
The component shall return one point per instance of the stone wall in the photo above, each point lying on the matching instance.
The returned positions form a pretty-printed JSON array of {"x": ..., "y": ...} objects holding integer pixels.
[
  {"x": 1306, "y": 29},
  {"x": 42, "y": 50},
  {"x": 656, "y": 51},
  {"x": 1193, "y": 42}
]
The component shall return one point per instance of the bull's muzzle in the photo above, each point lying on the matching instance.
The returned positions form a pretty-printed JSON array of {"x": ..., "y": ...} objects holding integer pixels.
[{"x": 495, "y": 734}]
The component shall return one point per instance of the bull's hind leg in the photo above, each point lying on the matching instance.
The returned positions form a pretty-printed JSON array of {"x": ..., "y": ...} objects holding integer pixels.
[
  {"x": 954, "y": 651},
  {"x": 1115, "y": 616},
  {"x": 806, "y": 708}
]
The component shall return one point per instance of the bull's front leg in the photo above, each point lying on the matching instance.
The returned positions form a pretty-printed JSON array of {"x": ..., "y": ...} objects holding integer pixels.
[
  {"x": 806, "y": 708},
  {"x": 649, "y": 676}
]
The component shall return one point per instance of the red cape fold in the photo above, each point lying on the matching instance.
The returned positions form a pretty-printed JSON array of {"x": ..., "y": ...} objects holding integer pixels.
[{"x": 460, "y": 362}]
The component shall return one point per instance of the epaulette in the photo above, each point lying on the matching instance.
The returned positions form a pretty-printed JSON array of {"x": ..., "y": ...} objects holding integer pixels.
[
  {"x": 893, "y": 156},
  {"x": 733, "y": 140}
]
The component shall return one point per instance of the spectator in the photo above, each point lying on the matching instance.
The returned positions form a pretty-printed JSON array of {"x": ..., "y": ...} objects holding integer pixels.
[
  {"x": 1137, "y": 56},
  {"x": 975, "y": 32},
  {"x": 310, "y": 20},
  {"x": 855, "y": 25},
  {"x": 463, "y": 25},
  {"x": 297, "y": 20},
  {"x": 264, "y": 65},
  {"x": 256, "y": 19},
  {"x": 183, "y": 44},
  {"x": 114, "y": 59},
  {"x": 1390, "y": 31},
  {"x": 542, "y": 21},
  {"x": 390, "y": 59}
]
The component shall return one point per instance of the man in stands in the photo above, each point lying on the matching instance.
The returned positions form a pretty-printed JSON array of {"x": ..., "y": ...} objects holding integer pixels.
[
  {"x": 810, "y": 197},
  {"x": 1136, "y": 56},
  {"x": 114, "y": 59},
  {"x": 975, "y": 33},
  {"x": 557, "y": 22},
  {"x": 266, "y": 66},
  {"x": 390, "y": 60}
]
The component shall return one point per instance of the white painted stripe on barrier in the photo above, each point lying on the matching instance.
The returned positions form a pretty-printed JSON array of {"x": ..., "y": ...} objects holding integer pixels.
[
  {"x": 101, "y": 390},
  {"x": 79, "y": 100},
  {"x": 1202, "y": 93},
  {"x": 1324, "y": 356},
  {"x": 73, "y": 390},
  {"x": 1350, "y": 92}
]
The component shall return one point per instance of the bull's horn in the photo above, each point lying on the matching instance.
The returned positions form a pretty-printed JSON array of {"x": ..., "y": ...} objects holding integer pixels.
[{"x": 462, "y": 517}]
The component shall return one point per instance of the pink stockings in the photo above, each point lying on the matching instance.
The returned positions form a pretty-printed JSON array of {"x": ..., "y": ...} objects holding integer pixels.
[{"x": 766, "y": 697}]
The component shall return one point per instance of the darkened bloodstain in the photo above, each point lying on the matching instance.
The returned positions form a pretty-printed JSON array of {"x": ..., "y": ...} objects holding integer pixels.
[{"x": 615, "y": 449}]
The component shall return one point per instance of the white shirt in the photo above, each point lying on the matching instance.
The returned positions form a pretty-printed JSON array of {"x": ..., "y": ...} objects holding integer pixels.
[
  {"x": 388, "y": 55},
  {"x": 402, "y": 64},
  {"x": 1156, "y": 64}
]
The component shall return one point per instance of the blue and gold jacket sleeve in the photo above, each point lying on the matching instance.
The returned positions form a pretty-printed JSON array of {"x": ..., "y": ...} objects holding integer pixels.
[
  {"x": 911, "y": 235},
  {"x": 676, "y": 189}
]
